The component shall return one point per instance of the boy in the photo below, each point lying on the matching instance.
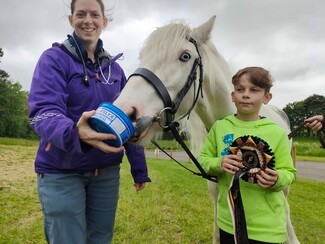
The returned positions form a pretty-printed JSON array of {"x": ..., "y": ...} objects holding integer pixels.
[{"x": 260, "y": 148}]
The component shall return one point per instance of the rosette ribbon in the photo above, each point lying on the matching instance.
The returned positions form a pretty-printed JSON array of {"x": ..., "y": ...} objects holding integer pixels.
[{"x": 256, "y": 156}]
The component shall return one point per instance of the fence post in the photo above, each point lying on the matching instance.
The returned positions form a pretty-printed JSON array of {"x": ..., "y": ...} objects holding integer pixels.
[
  {"x": 293, "y": 154},
  {"x": 157, "y": 153}
]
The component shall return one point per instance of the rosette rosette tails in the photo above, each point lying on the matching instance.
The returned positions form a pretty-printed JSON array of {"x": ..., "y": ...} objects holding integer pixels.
[{"x": 256, "y": 156}]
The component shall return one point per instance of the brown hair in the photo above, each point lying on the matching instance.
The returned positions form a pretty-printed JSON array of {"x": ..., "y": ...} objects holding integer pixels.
[
  {"x": 258, "y": 76},
  {"x": 102, "y": 7}
]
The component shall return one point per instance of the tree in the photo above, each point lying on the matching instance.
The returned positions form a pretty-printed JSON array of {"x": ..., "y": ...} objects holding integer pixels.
[
  {"x": 13, "y": 108},
  {"x": 3, "y": 74},
  {"x": 298, "y": 111}
]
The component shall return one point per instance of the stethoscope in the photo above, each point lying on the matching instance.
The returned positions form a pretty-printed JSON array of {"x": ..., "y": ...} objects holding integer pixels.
[{"x": 85, "y": 78}]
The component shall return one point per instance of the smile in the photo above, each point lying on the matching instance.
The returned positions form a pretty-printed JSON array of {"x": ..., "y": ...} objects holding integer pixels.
[{"x": 88, "y": 29}]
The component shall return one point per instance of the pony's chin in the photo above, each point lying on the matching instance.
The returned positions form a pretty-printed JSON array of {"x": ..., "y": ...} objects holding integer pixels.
[{"x": 147, "y": 136}]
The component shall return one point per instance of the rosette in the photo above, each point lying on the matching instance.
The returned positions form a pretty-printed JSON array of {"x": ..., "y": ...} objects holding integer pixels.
[{"x": 256, "y": 155}]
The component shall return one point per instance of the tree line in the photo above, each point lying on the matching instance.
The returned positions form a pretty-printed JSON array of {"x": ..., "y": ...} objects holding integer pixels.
[{"x": 14, "y": 110}]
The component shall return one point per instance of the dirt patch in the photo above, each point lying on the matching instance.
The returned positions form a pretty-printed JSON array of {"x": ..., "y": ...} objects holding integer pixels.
[{"x": 16, "y": 166}]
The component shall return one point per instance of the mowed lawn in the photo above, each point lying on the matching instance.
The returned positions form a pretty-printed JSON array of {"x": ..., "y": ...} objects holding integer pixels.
[{"x": 175, "y": 208}]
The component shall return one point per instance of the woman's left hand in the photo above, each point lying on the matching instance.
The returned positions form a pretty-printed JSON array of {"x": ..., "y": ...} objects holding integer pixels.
[
  {"x": 267, "y": 178},
  {"x": 139, "y": 186}
]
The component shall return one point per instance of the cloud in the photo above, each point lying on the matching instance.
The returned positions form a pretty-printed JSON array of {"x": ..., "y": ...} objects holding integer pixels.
[{"x": 286, "y": 37}]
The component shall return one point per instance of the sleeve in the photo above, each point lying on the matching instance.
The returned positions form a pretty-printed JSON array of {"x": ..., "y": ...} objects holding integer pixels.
[
  {"x": 137, "y": 160},
  {"x": 208, "y": 158},
  {"x": 48, "y": 103},
  {"x": 283, "y": 164}
]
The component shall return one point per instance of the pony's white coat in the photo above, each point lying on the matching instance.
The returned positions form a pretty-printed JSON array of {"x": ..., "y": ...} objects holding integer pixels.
[{"x": 160, "y": 54}]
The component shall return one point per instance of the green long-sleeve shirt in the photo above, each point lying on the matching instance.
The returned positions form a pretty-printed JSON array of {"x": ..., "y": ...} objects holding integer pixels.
[{"x": 265, "y": 209}]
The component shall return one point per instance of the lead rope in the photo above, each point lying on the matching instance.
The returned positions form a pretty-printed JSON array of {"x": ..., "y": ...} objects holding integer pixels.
[
  {"x": 320, "y": 134},
  {"x": 173, "y": 128},
  {"x": 237, "y": 210}
]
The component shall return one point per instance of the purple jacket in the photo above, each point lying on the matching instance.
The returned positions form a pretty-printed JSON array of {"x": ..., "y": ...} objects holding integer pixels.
[{"x": 58, "y": 97}]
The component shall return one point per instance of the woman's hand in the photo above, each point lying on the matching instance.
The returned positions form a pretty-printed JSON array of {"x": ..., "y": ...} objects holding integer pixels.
[
  {"x": 315, "y": 122},
  {"x": 139, "y": 186},
  {"x": 231, "y": 164},
  {"x": 93, "y": 138},
  {"x": 267, "y": 178}
]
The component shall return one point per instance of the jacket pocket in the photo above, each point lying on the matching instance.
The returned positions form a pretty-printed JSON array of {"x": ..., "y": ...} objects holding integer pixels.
[{"x": 276, "y": 201}]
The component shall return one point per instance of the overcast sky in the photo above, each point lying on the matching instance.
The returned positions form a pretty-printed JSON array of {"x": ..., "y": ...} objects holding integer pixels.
[{"x": 286, "y": 37}]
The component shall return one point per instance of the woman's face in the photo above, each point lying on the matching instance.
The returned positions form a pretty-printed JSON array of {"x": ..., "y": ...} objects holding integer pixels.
[{"x": 88, "y": 21}]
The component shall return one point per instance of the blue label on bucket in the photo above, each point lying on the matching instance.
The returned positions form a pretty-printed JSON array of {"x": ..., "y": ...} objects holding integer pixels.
[{"x": 110, "y": 119}]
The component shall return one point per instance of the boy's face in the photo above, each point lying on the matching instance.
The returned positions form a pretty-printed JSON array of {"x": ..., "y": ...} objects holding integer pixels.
[{"x": 248, "y": 97}]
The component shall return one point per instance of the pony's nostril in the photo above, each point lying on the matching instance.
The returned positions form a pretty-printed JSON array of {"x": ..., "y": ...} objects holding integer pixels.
[{"x": 133, "y": 115}]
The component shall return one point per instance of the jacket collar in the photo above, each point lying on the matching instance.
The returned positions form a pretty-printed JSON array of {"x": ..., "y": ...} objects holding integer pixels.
[{"x": 75, "y": 42}]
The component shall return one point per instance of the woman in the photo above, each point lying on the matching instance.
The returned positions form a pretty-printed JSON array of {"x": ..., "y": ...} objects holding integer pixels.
[{"x": 78, "y": 174}]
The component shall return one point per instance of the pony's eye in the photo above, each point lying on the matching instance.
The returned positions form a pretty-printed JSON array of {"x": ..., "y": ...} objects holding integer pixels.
[{"x": 185, "y": 57}]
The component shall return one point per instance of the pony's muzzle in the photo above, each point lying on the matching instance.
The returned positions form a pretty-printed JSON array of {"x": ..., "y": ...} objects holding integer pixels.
[{"x": 142, "y": 126}]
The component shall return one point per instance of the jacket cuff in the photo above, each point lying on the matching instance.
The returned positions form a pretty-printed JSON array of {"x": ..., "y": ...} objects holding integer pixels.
[{"x": 141, "y": 179}]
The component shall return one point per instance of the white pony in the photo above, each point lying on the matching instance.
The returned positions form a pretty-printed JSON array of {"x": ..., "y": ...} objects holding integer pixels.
[{"x": 169, "y": 54}]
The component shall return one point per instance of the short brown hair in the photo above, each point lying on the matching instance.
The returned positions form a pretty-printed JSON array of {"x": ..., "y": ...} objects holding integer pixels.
[{"x": 258, "y": 76}]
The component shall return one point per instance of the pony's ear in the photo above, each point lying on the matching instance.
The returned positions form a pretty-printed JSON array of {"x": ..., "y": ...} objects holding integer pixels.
[{"x": 202, "y": 33}]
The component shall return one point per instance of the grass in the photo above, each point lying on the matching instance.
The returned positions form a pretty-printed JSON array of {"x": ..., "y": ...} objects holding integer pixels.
[
  {"x": 175, "y": 208},
  {"x": 306, "y": 149},
  {"x": 171, "y": 209},
  {"x": 19, "y": 206},
  {"x": 309, "y": 149},
  {"x": 306, "y": 201},
  {"x": 18, "y": 141}
]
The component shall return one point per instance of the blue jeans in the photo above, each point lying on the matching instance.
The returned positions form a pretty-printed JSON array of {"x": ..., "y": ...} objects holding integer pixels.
[{"x": 79, "y": 208}]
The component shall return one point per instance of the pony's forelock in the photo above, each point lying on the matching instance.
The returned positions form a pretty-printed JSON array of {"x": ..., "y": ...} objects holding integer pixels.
[{"x": 166, "y": 40}]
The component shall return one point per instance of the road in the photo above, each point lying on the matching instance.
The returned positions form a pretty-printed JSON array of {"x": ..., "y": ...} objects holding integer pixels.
[{"x": 305, "y": 169}]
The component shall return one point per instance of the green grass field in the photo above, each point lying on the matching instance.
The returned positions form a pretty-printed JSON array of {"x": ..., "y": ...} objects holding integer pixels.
[{"x": 175, "y": 208}]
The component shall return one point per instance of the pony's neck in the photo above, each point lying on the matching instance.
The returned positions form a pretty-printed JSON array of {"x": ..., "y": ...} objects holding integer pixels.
[
  {"x": 212, "y": 109},
  {"x": 209, "y": 109},
  {"x": 216, "y": 103}
]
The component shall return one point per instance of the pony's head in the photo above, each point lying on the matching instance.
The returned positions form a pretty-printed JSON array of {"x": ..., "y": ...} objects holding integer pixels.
[{"x": 171, "y": 57}]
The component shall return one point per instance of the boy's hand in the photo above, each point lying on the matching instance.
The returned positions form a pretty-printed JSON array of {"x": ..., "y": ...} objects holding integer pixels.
[
  {"x": 267, "y": 178},
  {"x": 231, "y": 164}
]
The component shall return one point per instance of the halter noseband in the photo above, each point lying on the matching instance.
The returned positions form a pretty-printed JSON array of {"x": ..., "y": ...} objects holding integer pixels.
[{"x": 171, "y": 107}]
